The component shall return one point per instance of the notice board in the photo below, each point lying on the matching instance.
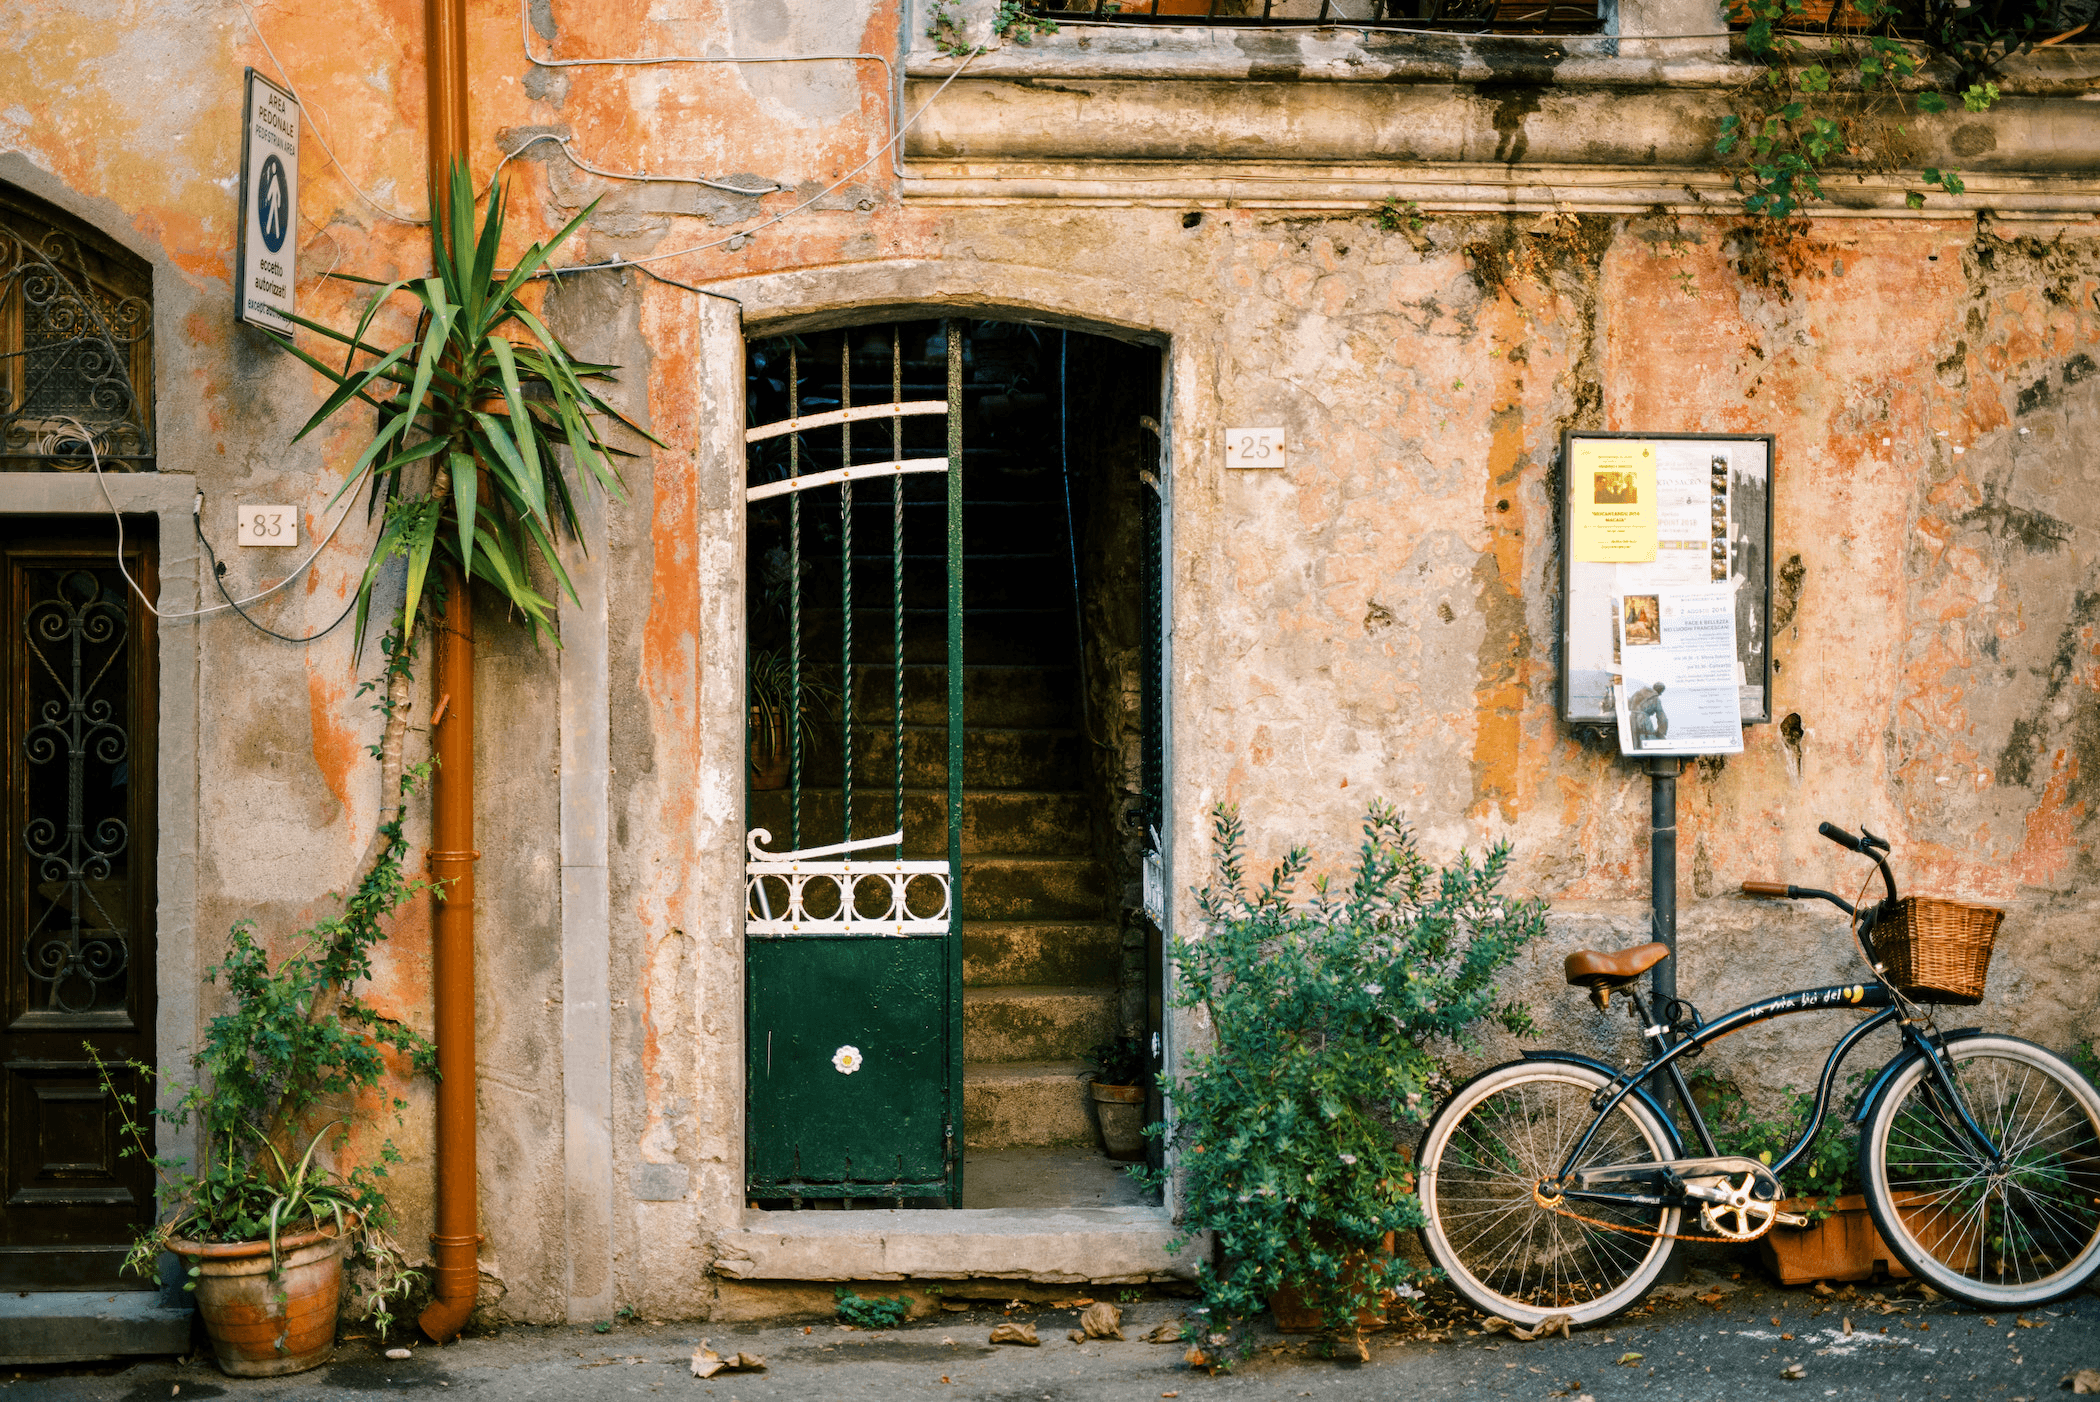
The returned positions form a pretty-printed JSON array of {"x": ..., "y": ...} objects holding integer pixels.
[{"x": 1654, "y": 510}]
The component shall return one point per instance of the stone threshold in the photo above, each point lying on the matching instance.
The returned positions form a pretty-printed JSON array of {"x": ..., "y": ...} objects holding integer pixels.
[
  {"x": 1058, "y": 1246},
  {"x": 83, "y": 1326}
]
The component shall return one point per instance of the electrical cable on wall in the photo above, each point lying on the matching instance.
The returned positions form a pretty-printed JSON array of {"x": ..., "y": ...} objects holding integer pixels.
[
  {"x": 892, "y": 85},
  {"x": 742, "y": 235},
  {"x": 293, "y": 89},
  {"x": 86, "y": 439}
]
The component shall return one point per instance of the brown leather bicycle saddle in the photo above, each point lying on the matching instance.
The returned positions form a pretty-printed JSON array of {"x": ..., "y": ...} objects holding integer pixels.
[{"x": 1587, "y": 968}]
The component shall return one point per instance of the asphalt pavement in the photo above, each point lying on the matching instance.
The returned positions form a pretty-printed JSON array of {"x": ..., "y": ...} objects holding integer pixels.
[{"x": 1725, "y": 1335}]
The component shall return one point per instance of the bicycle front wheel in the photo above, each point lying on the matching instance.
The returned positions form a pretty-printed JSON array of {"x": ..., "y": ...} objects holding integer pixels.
[
  {"x": 1500, "y": 1136},
  {"x": 2008, "y": 1232}
]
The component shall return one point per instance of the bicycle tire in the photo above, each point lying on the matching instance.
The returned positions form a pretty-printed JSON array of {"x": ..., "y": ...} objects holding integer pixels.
[
  {"x": 1482, "y": 1227},
  {"x": 1998, "y": 1238}
]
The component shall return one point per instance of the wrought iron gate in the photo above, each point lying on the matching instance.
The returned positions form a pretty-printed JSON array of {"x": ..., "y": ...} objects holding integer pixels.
[{"x": 854, "y": 938}]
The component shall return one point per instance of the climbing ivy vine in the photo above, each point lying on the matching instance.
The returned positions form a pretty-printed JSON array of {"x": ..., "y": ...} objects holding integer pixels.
[{"x": 1842, "y": 94}]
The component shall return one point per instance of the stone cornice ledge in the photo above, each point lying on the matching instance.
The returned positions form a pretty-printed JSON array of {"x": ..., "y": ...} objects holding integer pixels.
[
  {"x": 1351, "y": 56},
  {"x": 1447, "y": 146}
]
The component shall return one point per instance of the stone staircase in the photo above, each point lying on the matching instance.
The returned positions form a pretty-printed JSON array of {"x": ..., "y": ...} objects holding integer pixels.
[{"x": 1041, "y": 938}]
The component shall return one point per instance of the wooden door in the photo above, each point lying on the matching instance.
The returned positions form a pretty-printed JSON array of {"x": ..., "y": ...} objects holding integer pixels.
[{"x": 77, "y": 840}]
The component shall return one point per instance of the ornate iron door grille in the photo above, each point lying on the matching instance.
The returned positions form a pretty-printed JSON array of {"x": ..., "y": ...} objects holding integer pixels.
[{"x": 78, "y": 835}]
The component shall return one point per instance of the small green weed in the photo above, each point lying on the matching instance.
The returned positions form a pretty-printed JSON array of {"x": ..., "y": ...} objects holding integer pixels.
[
  {"x": 1397, "y": 214},
  {"x": 873, "y": 1312}
]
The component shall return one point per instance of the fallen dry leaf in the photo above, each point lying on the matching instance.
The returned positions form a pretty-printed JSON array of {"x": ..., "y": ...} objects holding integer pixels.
[
  {"x": 1494, "y": 1324},
  {"x": 1196, "y": 1357},
  {"x": 1848, "y": 1326},
  {"x": 1077, "y": 1336},
  {"x": 1012, "y": 1333},
  {"x": 2026, "y": 1323},
  {"x": 2085, "y": 1380},
  {"x": 1793, "y": 1371},
  {"x": 1823, "y": 1289},
  {"x": 1629, "y": 1358},
  {"x": 1102, "y": 1321},
  {"x": 1552, "y": 1324},
  {"x": 707, "y": 1363},
  {"x": 1167, "y": 1333}
]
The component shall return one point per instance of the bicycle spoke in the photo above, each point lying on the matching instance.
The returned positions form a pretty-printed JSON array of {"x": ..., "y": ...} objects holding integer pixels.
[{"x": 2014, "y": 1224}]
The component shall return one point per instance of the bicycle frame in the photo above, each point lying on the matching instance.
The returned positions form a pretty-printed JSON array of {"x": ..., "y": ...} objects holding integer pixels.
[
  {"x": 1807, "y": 1000},
  {"x": 1871, "y": 994}
]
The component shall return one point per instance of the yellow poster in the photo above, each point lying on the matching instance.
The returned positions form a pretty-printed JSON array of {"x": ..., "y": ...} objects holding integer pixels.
[{"x": 1613, "y": 483}]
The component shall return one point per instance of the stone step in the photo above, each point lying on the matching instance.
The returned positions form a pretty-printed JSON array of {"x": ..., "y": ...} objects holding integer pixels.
[
  {"x": 69, "y": 1326},
  {"x": 1033, "y": 888},
  {"x": 1025, "y": 1104},
  {"x": 998, "y": 953},
  {"x": 995, "y": 637},
  {"x": 992, "y": 759},
  {"x": 1035, "y": 1023},
  {"x": 1004, "y": 697},
  {"x": 1013, "y": 822}
]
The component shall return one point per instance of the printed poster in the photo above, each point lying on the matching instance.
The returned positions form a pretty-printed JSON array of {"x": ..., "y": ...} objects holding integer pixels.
[
  {"x": 1613, "y": 483},
  {"x": 1675, "y": 690}
]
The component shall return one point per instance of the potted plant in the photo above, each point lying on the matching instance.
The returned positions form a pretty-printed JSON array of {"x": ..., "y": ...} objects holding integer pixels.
[
  {"x": 1118, "y": 1092},
  {"x": 1322, "y": 1015},
  {"x": 771, "y": 694},
  {"x": 1840, "y": 1242},
  {"x": 263, "y": 1219}
]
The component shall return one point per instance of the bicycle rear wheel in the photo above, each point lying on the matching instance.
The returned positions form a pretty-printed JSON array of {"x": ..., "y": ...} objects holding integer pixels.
[
  {"x": 1498, "y": 1137},
  {"x": 2006, "y": 1235}
]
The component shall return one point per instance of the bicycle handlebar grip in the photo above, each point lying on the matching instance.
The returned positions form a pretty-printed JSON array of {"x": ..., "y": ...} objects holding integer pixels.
[
  {"x": 1838, "y": 835},
  {"x": 1766, "y": 888}
]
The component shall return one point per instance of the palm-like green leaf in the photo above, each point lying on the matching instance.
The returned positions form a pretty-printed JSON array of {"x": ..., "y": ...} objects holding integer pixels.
[{"x": 483, "y": 491}]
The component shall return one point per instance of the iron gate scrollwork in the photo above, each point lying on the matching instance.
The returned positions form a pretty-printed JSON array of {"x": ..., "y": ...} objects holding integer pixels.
[{"x": 76, "y": 752}]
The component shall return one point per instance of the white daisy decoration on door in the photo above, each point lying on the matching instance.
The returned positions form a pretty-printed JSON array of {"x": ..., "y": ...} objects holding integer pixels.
[{"x": 847, "y": 1060}]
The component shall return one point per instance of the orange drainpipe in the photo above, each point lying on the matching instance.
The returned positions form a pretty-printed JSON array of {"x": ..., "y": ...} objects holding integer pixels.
[{"x": 452, "y": 853}]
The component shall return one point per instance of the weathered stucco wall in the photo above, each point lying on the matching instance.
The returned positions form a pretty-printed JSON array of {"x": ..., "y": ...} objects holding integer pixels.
[{"x": 1377, "y": 621}]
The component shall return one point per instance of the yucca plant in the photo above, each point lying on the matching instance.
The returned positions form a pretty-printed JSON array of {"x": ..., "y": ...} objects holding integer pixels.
[{"x": 464, "y": 463}]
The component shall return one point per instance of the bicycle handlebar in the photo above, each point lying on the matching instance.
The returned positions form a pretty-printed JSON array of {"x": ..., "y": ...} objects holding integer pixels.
[{"x": 1840, "y": 836}]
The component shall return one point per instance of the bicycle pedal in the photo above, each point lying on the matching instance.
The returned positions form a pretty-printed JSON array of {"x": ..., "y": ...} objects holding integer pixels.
[{"x": 1789, "y": 1219}]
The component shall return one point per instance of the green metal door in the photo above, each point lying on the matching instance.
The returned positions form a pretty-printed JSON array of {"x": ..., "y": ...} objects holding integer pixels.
[{"x": 853, "y": 933}]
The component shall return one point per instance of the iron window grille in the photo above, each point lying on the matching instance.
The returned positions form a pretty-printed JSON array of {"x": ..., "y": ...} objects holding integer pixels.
[{"x": 76, "y": 344}]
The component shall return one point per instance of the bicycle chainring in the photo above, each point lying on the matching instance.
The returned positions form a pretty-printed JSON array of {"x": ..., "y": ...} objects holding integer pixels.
[{"x": 1739, "y": 1215}]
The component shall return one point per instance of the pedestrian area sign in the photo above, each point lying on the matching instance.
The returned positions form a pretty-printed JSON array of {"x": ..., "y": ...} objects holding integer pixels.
[{"x": 269, "y": 243}]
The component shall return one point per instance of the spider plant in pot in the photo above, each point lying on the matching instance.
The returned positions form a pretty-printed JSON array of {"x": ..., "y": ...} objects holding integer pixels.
[
  {"x": 770, "y": 689},
  {"x": 1291, "y": 1126},
  {"x": 264, "y": 1217}
]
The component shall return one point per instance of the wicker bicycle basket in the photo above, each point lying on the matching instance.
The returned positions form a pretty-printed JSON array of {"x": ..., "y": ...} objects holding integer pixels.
[{"x": 1938, "y": 951}]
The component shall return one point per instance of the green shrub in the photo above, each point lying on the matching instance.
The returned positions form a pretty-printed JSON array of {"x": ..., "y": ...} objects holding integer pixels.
[{"x": 1325, "y": 1017}]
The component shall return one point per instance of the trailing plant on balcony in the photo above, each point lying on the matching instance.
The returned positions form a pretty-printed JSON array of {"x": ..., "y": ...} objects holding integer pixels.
[
  {"x": 1326, "y": 1018},
  {"x": 1842, "y": 93}
]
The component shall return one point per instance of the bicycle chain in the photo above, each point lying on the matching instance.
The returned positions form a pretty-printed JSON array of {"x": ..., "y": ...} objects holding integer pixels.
[{"x": 1538, "y": 1199}]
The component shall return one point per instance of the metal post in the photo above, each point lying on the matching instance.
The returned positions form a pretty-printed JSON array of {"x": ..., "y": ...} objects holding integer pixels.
[{"x": 1662, "y": 869}]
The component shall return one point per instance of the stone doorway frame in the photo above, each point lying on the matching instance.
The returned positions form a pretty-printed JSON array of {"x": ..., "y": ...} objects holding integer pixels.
[{"x": 1071, "y": 1245}]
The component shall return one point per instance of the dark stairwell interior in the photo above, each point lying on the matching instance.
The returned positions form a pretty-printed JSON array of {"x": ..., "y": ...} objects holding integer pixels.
[{"x": 1056, "y": 954}]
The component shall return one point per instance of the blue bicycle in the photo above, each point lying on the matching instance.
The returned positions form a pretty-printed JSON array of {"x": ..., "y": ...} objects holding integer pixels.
[{"x": 1559, "y": 1184}]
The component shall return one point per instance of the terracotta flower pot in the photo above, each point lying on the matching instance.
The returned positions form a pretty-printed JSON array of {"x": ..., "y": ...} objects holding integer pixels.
[
  {"x": 264, "y": 1323},
  {"x": 769, "y": 754},
  {"x": 1121, "y": 1112},
  {"x": 1295, "y": 1316},
  {"x": 1843, "y": 1246}
]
